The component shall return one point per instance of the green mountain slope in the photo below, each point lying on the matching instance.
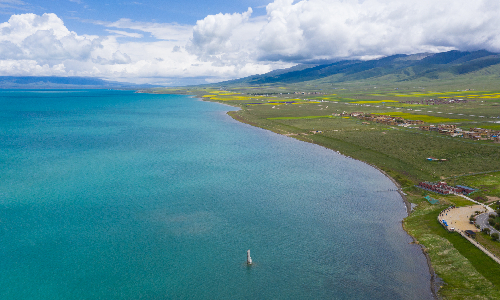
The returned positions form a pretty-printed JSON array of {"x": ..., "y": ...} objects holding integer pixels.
[{"x": 396, "y": 68}]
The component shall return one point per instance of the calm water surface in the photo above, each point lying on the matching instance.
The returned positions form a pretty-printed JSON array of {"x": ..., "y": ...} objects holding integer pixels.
[{"x": 118, "y": 195}]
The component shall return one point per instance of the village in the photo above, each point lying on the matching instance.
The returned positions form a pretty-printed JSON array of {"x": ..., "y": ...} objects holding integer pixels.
[
  {"x": 436, "y": 101},
  {"x": 444, "y": 189},
  {"x": 383, "y": 119},
  {"x": 476, "y": 134}
]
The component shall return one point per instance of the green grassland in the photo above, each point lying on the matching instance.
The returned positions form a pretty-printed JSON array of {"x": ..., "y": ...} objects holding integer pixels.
[
  {"x": 394, "y": 149},
  {"x": 488, "y": 185},
  {"x": 300, "y": 112},
  {"x": 400, "y": 151},
  {"x": 467, "y": 273}
]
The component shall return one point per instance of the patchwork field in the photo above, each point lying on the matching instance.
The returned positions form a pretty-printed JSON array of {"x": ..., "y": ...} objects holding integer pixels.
[
  {"x": 425, "y": 118},
  {"x": 323, "y": 116}
]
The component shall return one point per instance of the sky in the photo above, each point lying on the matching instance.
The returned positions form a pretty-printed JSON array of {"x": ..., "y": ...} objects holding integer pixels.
[{"x": 192, "y": 41}]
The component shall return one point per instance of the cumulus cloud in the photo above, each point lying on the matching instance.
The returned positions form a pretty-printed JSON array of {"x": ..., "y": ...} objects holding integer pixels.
[
  {"x": 42, "y": 45},
  {"x": 310, "y": 30},
  {"x": 120, "y": 58},
  {"x": 326, "y": 29},
  {"x": 212, "y": 35},
  {"x": 227, "y": 46},
  {"x": 10, "y": 50},
  {"x": 116, "y": 58},
  {"x": 230, "y": 40},
  {"x": 44, "y": 39}
]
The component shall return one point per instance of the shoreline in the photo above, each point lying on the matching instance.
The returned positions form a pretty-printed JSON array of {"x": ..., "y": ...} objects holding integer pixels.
[{"x": 434, "y": 278}]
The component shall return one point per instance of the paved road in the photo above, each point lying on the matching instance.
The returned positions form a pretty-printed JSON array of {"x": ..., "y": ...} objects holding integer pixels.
[
  {"x": 486, "y": 251},
  {"x": 488, "y": 208},
  {"x": 482, "y": 220}
]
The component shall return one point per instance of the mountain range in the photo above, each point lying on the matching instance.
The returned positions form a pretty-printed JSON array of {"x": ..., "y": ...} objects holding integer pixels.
[
  {"x": 54, "y": 82},
  {"x": 395, "y": 68},
  {"x": 400, "y": 68}
]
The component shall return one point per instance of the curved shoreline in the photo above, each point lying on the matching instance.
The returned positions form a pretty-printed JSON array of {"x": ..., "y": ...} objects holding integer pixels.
[
  {"x": 433, "y": 280},
  {"x": 434, "y": 277}
]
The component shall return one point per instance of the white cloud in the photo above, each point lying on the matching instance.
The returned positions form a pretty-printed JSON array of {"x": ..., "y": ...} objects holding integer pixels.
[
  {"x": 42, "y": 45},
  {"x": 10, "y": 50},
  {"x": 229, "y": 42},
  {"x": 116, "y": 58},
  {"x": 226, "y": 46},
  {"x": 309, "y": 30},
  {"x": 125, "y": 33},
  {"x": 29, "y": 67},
  {"x": 318, "y": 29},
  {"x": 44, "y": 39},
  {"x": 212, "y": 35},
  {"x": 161, "y": 31}
]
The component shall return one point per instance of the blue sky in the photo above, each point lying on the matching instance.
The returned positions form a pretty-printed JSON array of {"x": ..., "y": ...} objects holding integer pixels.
[
  {"x": 75, "y": 13},
  {"x": 186, "y": 42}
]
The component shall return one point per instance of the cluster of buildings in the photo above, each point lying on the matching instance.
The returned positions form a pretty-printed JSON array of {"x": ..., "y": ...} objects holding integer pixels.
[
  {"x": 294, "y": 93},
  {"x": 477, "y": 134},
  {"x": 436, "y": 101},
  {"x": 308, "y": 93},
  {"x": 383, "y": 119},
  {"x": 444, "y": 189}
]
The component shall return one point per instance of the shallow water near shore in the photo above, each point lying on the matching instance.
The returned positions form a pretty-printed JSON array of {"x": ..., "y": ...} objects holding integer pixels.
[{"x": 118, "y": 195}]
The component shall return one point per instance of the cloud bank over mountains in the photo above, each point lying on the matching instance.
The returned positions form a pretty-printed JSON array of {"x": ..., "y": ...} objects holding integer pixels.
[
  {"x": 317, "y": 29},
  {"x": 226, "y": 46}
]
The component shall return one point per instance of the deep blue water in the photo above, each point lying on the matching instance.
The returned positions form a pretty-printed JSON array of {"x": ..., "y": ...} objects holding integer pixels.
[{"x": 117, "y": 195}]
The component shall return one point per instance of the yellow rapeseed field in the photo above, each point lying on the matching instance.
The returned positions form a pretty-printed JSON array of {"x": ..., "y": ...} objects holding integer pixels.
[
  {"x": 374, "y": 102},
  {"x": 425, "y": 118}
]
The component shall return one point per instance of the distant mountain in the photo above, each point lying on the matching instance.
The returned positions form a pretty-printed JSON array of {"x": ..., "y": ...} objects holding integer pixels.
[
  {"x": 53, "y": 82},
  {"x": 272, "y": 74},
  {"x": 395, "y": 68}
]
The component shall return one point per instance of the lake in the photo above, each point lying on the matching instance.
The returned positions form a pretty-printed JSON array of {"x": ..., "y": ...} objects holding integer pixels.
[{"x": 119, "y": 195}]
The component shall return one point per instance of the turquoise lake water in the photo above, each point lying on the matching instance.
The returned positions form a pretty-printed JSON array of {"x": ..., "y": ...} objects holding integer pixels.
[{"x": 118, "y": 195}]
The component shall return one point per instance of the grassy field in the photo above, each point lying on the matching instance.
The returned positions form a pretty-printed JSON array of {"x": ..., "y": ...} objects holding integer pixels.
[
  {"x": 400, "y": 150},
  {"x": 466, "y": 271},
  {"x": 488, "y": 185},
  {"x": 314, "y": 114}
]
